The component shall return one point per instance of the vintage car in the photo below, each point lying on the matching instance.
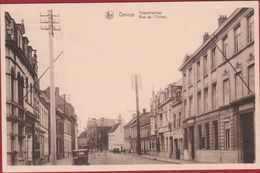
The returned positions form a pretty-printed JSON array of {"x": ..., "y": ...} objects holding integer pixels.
[{"x": 80, "y": 157}]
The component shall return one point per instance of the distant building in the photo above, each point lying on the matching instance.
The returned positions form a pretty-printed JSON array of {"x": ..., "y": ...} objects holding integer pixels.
[
  {"x": 116, "y": 136},
  {"x": 219, "y": 109},
  {"x": 83, "y": 140},
  {"x": 166, "y": 122},
  {"x": 97, "y": 130},
  {"x": 127, "y": 134},
  {"x": 145, "y": 132},
  {"x": 130, "y": 136},
  {"x": 66, "y": 125}
]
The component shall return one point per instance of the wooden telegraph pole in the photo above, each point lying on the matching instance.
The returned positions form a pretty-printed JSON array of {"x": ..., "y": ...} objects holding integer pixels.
[
  {"x": 50, "y": 21},
  {"x": 136, "y": 88}
]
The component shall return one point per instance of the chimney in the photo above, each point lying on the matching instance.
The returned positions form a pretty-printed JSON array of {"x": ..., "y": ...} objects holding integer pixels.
[
  {"x": 205, "y": 37},
  {"x": 221, "y": 19},
  {"x": 144, "y": 111}
]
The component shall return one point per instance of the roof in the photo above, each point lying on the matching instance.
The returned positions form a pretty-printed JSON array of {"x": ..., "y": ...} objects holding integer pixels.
[
  {"x": 102, "y": 122},
  {"x": 130, "y": 122},
  {"x": 105, "y": 122},
  {"x": 215, "y": 33},
  {"x": 113, "y": 129},
  {"x": 83, "y": 134}
]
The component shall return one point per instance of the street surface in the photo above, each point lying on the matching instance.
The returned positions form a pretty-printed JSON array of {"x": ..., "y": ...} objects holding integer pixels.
[{"x": 108, "y": 158}]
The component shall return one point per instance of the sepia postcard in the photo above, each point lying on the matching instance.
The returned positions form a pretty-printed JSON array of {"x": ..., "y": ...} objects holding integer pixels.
[{"x": 130, "y": 86}]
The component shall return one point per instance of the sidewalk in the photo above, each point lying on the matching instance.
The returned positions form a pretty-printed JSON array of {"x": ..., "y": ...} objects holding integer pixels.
[
  {"x": 63, "y": 161},
  {"x": 170, "y": 160}
]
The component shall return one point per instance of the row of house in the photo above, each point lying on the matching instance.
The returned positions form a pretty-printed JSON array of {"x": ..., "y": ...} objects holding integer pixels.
[
  {"x": 208, "y": 115},
  {"x": 27, "y": 106}
]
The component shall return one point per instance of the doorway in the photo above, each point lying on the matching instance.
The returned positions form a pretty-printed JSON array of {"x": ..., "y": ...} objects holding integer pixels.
[
  {"x": 171, "y": 147},
  {"x": 248, "y": 146},
  {"x": 191, "y": 135}
]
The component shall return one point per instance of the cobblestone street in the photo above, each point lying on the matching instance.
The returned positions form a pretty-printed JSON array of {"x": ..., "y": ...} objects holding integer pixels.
[{"x": 107, "y": 158}]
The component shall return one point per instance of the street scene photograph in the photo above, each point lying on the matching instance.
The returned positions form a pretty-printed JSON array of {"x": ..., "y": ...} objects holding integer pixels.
[{"x": 156, "y": 85}]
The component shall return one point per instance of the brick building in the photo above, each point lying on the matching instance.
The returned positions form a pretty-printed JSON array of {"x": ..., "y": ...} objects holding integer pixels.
[
  {"x": 218, "y": 107},
  {"x": 97, "y": 130}
]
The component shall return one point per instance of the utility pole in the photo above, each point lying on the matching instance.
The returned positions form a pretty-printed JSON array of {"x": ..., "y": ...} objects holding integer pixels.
[
  {"x": 50, "y": 21},
  {"x": 137, "y": 114}
]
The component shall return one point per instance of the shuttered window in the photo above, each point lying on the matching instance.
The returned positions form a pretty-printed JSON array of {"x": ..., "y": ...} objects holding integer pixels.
[{"x": 251, "y": 78}]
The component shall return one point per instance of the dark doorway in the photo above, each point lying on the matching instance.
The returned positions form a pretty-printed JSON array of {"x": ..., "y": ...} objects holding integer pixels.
[
  {"x": 171, "y": 147},
  {"x": 247, "y": 123},
  {"x": 191, "y": 135}
]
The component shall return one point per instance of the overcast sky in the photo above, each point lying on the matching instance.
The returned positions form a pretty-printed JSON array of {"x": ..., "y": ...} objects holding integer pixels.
[{"x": 100, "y": 55}]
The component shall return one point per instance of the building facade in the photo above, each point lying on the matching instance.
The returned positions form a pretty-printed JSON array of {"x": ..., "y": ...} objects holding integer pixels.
[
  {"x": 145, "y": 132},
  {"x": 116, "y": 137},
  {"x": 128, "y": 133},
  {"x": 98, "y": 133},
  {"x": 131, "y": 140},
  {"x": 66, "y": 137},
  {"x": 218, "y": 106},
  {"x": 44, "y": 127},
  {"x": 166, "y": 122},
  {"x": 21, "y": 95}
]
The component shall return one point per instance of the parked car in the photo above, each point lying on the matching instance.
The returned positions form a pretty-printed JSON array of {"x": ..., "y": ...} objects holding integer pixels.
[
  {"x": 116, "y": 150},
  {"x": 80, "y": 157}
]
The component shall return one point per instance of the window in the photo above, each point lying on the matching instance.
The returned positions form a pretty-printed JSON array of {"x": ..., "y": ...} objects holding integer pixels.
[
  {"x": 31, "y": 93},
  {"x": 179, "y": 119},
  {"x": 251, "y": 78},
  {"x": 174, "y": 121},
  {"x": 237, "y": 38},
  {"x": 12, "y": 84},
  {"x": 190, "y": 76},
  {"x": 214, "y": 96},
  {"x": 166, "y": 143},
  {"x": 226, "y": 92},
  {"x": 213, "y": 58},
  {"x": 215, "y": 134},
  {"x": 190, "y": 105},
  {"x": 227, "y": 136},
  {"x": 201, "y": 139},
  {"x": 170, "y": 115},
  {"x": 161, "y": 120},
  {"x": 27, "y": 89},
  {"x": 225, "y": 47},
  {"x": 199, "y": 102},
  {"x": 185, "y": 108},
  {"x": 205, "y": 65},
  {"x": 184, "y": 81},
  {"x": 238, "y": 85},
  {"x": 250, "y": 25},
  {"x": 185, "y": 138},
  {"x": 206, "y": 95},
  {"x": 207, "y": 135},
  {"x": 20, "y": 90},
  {"x": 198, "y": 70}
]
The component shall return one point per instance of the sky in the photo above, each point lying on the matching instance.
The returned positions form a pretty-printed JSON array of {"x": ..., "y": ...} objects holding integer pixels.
[{"x": 101, "y": 55}]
